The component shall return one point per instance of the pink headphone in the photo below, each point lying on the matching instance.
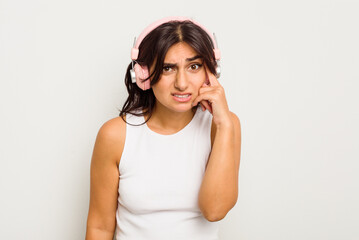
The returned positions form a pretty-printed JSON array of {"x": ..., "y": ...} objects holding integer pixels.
[{"x": 139, "y": 72}]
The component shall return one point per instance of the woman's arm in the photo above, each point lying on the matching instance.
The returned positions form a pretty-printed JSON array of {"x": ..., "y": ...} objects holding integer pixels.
[
  {"x": 104, "y": 182},
  {"x": 219, "y": 190}
]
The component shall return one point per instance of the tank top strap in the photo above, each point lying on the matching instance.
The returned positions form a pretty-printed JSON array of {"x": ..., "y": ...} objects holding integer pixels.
[{"x": 133, "y": 119}]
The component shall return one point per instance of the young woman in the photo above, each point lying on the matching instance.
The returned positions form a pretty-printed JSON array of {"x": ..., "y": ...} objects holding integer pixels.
[{"x": 167, "y": 167}]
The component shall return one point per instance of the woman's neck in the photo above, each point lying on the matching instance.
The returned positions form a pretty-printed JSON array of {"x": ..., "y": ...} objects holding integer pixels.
[{"x": 163, "y": 119}]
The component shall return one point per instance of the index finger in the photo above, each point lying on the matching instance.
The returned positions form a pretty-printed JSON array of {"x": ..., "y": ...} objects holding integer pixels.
[{"x": 212, "y": 79}]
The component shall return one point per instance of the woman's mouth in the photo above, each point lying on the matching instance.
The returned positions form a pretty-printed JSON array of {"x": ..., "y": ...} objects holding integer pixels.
[{"x": 182, "y": 97}]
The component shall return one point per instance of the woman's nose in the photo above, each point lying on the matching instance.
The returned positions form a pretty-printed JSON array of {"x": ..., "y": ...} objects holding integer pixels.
[{"x": 181, "y": 82}]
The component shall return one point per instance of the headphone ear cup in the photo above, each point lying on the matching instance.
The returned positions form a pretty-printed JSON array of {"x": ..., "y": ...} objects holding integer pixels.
[
  {"x": 141, "y": 73},
  {"x": 218, "y": 70},
  {"x": 133, "y": 75}
]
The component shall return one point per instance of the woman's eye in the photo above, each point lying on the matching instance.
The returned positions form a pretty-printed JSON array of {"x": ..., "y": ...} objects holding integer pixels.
[
  {"x": 167, "y": 69},
  {"x": 195, "y": 66}
]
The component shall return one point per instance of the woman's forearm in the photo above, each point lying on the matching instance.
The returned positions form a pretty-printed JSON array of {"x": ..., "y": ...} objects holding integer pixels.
[
  {"x": 98, "y": 234},
  {"x": 219, "y": 189}
]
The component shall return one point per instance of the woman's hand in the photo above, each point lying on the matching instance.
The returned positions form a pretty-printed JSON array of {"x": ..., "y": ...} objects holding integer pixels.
[{"x": 212, "y": 97}]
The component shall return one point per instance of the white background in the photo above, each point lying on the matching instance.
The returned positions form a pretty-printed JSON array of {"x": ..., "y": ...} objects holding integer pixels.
[{"x": 290, "y": 72}]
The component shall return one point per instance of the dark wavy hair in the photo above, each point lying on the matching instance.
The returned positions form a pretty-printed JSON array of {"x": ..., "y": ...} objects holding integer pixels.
[{"x": 153, "y": 50}]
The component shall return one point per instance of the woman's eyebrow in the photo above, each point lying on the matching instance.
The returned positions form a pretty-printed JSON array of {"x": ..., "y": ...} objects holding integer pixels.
[
  {"x": 193, "y": 58},
  {"x": 187, "y": 59},
  {"x": 169, "y": 64}
]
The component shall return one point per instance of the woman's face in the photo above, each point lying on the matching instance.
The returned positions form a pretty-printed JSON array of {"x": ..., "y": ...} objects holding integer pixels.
[{"x": 182, "y": 76}]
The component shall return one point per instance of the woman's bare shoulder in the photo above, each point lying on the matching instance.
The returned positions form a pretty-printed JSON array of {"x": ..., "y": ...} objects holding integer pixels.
[
  {"x": 113, "y": 134},
  {"x": 114, "y": 124}
]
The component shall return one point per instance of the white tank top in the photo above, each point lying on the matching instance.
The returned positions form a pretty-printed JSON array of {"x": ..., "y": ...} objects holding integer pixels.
[{"x": 160, "y": 177}]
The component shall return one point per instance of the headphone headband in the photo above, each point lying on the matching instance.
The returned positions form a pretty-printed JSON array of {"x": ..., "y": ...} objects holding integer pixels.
[{"x": 148, "y": 29}]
